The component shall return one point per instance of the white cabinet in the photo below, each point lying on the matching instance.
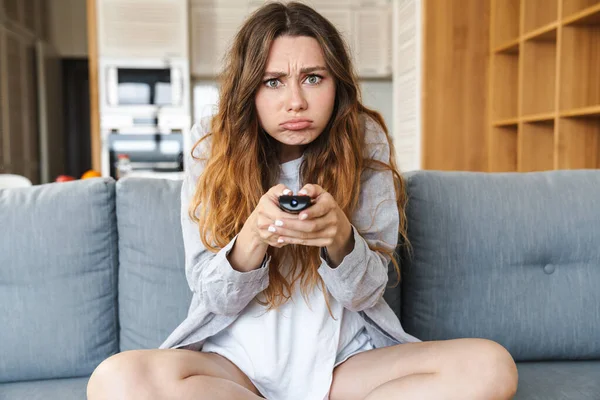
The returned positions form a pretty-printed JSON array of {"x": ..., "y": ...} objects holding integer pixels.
[
  {"x": 364, "y": 24},
  {"x": 342, "y": 19},
  {"x": 143, "y": 28},
  {"x": 224, "y": 3},
  {"x": 346, "y": 3},
  {"x": 372, "y": 33},
  {"x": 212, "y": 32}
]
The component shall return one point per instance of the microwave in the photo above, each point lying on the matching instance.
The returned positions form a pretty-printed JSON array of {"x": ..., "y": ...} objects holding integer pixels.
[{"x": 144, "y": 86}]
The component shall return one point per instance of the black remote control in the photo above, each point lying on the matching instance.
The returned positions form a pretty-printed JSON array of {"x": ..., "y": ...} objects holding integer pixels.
[{"x": 294, "y": 204}]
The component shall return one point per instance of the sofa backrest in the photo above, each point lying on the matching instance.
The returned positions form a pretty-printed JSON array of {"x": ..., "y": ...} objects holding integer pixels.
[
  {"x": 58, "y": 276},
  {"x": 510, "y": 257},
  {"x": 153, "y": 293}
]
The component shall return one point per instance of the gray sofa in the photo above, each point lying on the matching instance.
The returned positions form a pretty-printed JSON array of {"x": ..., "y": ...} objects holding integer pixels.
[{"x": 90, "y": 268}]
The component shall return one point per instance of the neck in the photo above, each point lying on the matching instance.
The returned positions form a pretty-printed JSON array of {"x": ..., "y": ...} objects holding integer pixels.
[{"x": 289, "y": 153}]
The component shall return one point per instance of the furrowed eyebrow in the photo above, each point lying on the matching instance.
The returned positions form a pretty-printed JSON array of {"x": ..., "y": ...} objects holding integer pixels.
[{"x": 308, "y": 70}]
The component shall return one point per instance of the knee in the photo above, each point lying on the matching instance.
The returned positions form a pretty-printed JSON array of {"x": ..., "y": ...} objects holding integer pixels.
[
  {"x": 491, "y": 370},
  {"x": 121, "y": 376}
]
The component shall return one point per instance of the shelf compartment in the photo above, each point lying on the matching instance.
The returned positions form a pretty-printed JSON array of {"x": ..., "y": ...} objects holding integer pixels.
[
  {"x": 503, "y": 149},
  {"x": 505, "y": 21},
  {"x": 505, "y": 79},
  {"x": 580, "y": 11},
  {"x": 536, "y": 147},
  {"x": 579, "y": 143},
  {"x": 538, "y": 13},
  {"x": 580, "y": 67},
  {"x": 539, "y": 76}
]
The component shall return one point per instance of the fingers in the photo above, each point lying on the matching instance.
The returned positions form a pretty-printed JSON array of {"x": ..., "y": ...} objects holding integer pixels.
[
  {"x": 319, "y": 242},
  {"x": 278, "y": 190},
  {"x": 267, "y": 233},
  {"x": 270, "y": 209},
  {"x": 309, "y": 225},
  {"x": 315, "y": 226},
  {"x": 306, "y": 238},
  {"x": 323, "y": 205},
  {"x": 269, "y": 214},
  {"x": 269, "y": 206},
  {"x": 311, "y": 190},
  {"x": 319, "y": 232}
]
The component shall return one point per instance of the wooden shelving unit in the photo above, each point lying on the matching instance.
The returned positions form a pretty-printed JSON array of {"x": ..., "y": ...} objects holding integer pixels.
[{"x": 544, "y": 90}]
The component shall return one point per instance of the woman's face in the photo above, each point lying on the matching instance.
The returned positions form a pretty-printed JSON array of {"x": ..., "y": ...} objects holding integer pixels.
[{"x": 295, "y": 100}]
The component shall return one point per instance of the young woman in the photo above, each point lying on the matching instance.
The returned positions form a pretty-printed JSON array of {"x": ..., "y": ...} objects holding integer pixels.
[{"x": 289, "y": 306}]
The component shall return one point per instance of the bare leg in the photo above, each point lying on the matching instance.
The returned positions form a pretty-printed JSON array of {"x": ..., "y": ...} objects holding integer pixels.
[
  {"x": 213, "y": 388},
  {"x": 462, "y": 369},
  {"x": 169, "y": 374},
  {"x": 417, "y": 386}
]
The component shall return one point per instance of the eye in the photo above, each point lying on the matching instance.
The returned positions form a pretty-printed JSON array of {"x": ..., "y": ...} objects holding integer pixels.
[
  {"x": 272, "y": 83},
  {"x": 313, "y": 79}
]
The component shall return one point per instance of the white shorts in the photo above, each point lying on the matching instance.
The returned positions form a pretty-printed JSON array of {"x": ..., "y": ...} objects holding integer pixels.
[{"x": 361, "y": 342}]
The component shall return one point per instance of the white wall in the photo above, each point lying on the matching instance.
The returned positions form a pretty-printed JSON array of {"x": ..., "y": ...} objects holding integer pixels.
[
  {"x": 379, "y": 95},
  {"x": 407, "y": 83},
  {"x": 68, "y": 27}
]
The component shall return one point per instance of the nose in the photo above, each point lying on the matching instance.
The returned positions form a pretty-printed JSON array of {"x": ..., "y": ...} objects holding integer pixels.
[{"x": 296, "y": 100}]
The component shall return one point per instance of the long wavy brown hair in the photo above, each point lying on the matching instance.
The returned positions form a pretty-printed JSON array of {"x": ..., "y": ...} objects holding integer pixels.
[{"x": 243, "y": 162}]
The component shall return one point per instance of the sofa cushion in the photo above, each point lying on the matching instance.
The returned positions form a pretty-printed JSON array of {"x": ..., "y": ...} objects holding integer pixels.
[
  {"x": 510, "y": 257},
  {"x": 54, "y": 389},
  {"x": 58, "y": 266},
  {"x": 153, "y": 293},
  {"x": 559, "y": 380}
]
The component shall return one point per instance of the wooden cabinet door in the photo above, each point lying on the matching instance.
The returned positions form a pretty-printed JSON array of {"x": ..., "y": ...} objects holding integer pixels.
[
  {"x": 42, "y": 20},
  {"x": 26, "y": 15},
  {"x": 12, "y": 10},
  {"x": 13, "y": 135},
  {"x": 52, "y": 133},
  {"x": 30, "y": 12},
  {"x": 20, "y": 125},
  {"x": 4, "y": 150}
]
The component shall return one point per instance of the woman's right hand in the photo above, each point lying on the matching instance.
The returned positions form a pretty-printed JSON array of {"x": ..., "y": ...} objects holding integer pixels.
[
  {"x": 255, "y": 237},
  {"x": 267, "y": 213}
]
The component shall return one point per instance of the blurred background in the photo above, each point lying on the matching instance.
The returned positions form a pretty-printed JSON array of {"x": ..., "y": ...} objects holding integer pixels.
[{"x": 106, "y": 87}]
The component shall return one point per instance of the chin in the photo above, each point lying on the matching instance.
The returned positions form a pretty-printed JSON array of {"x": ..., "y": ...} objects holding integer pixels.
[{"x": 305, "y": 139}]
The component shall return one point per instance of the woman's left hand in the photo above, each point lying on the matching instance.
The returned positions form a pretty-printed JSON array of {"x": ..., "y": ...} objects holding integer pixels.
[{"x": 323, "y": 224}]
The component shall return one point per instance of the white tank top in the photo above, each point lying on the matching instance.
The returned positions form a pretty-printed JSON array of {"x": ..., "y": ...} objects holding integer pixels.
[{"x": 290, "y": 352}]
